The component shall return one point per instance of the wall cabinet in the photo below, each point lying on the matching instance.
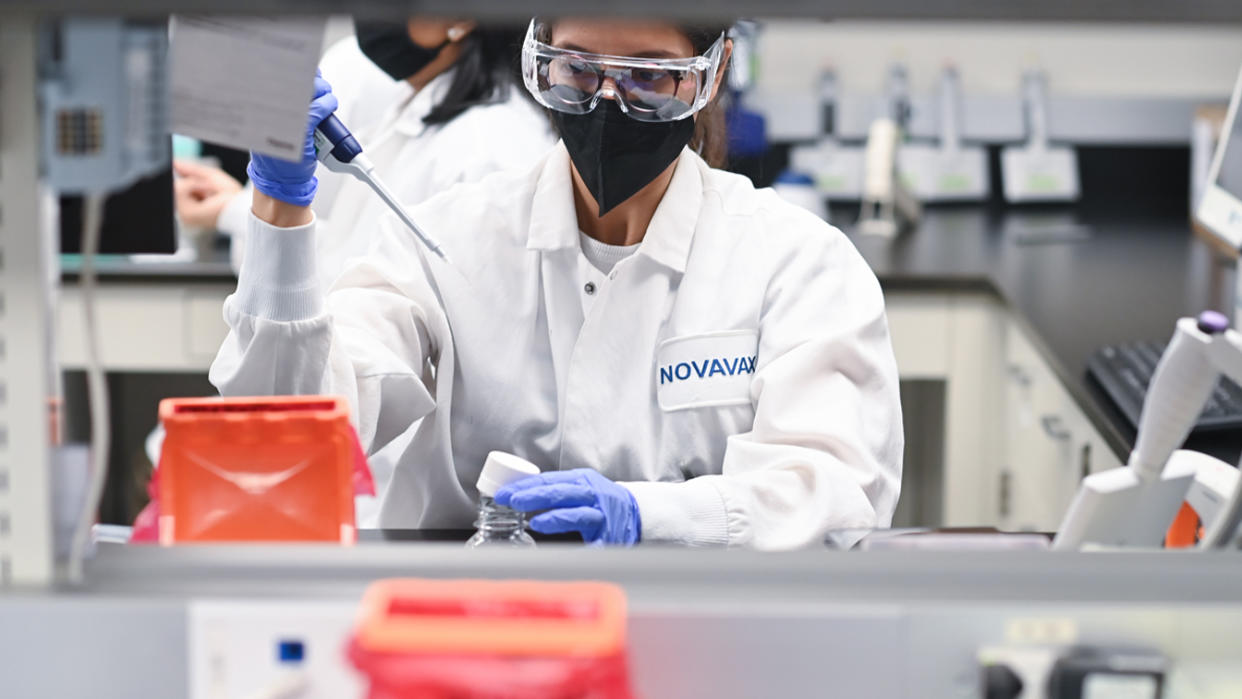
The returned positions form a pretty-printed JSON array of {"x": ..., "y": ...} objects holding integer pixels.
[
  {"x": 1016, "y": 444},
  {"x": 1049, "y": 444}
]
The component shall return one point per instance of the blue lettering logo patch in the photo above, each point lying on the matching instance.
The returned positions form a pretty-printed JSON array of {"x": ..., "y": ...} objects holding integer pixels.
[
  {"x": 707, "y": 368},
  {"x": 711, "y": 369}
]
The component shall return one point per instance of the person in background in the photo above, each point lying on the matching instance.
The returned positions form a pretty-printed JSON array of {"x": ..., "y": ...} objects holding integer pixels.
[
  {"x": 687, "y": 359},
  {"x": 433, "y": 102}
]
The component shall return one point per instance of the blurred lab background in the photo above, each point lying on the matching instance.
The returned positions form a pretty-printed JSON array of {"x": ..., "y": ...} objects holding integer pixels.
[{"x": 1028, "y": 152}]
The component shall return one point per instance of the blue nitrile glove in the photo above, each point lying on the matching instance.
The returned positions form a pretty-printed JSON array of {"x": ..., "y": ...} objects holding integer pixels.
[
  {"x": 580, "y": 500},
  {"x": 294, "y": 183}
]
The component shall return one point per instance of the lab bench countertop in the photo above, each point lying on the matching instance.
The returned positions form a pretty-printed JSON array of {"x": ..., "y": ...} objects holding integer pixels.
[
  {"x": 115, "y": 269},
  {"x": 1074, "y": 279}
]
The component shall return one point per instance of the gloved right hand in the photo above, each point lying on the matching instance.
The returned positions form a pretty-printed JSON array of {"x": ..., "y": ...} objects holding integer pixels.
[{"x": 294, "y": 183}]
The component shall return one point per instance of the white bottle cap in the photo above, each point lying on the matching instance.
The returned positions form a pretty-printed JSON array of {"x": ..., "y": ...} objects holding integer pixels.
[{"x": 501, "y": 469}]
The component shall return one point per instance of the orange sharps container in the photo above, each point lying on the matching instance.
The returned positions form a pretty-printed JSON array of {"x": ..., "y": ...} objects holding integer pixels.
[{"x": 275, "y": 468}]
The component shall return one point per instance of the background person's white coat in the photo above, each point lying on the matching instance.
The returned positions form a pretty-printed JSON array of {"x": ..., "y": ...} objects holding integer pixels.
[
  {"x": 499, "y": 354},
  {"x": 415, "y": 160}
]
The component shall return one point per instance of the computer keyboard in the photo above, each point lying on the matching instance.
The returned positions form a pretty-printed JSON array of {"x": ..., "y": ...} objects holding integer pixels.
[{"x": 1125, "y": 370}]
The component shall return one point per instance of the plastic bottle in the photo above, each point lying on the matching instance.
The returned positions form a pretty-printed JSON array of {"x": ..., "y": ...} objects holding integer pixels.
[{"x": 499, "y": 525}]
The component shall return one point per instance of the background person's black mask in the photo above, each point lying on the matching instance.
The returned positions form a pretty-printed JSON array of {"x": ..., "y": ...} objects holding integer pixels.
[
  {"x": 616, "y": 155},
  {"x": 389, "y": 46}
]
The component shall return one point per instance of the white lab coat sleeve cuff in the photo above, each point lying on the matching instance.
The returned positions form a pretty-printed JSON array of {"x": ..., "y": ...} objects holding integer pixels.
[
  {"x": 690, "y": 513},
  {"x": 279, "y": 280}
]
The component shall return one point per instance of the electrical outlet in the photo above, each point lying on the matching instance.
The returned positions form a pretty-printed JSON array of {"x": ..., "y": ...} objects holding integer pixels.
[{"x": 271, "y": 649}]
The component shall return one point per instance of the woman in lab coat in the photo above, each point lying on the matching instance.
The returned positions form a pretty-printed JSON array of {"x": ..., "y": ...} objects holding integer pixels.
[
  {"x": 433, "y": 103},
  {"x": 687, "y": 358}
]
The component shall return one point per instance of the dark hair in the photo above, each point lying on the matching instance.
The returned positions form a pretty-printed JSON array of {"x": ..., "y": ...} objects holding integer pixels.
[
  {"x": 487, "y": 69},
  {"x": 711, "y": 138}
]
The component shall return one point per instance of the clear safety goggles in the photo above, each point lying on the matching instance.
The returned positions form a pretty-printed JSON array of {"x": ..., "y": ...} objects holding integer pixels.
[{"x": 646, "y": 89}]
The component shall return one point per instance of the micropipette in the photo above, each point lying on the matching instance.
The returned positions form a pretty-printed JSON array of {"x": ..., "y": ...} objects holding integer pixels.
[{"x": 339, "y": 151}]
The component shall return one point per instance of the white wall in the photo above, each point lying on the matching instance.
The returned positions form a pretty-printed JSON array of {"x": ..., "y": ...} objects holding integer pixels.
[
  {"x": 1088, "y": 60},
  {"x": 339, "y": 27}
]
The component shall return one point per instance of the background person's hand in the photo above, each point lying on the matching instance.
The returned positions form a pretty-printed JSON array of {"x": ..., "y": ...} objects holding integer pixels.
[
  {"x": 200, "y": 193},
  {"x": 581, "y": 501}
]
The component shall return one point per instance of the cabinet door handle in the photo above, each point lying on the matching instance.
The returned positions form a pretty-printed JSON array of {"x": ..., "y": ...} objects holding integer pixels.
[
  {"x": 1019, "y": 375},
  {"x": 1006, "y": 488},
  {"x": 1055, "y": 428}
]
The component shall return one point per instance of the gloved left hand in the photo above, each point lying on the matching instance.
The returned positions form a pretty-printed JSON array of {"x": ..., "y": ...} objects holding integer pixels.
[{"x": 580, "y": 500}]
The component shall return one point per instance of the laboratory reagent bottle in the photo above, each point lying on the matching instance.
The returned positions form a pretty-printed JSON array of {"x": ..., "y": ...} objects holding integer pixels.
[{"x": 498, "y": 525}]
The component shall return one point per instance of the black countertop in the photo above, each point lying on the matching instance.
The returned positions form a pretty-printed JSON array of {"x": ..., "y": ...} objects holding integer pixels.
[
  {"x": 452, "y": 536},
  {"x": 1131, "y": 276},
  {"x": 215, "y": 268},
  {"x": 1095, "y": 279}
]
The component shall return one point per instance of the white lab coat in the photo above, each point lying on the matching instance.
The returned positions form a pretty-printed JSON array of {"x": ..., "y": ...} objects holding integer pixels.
[
  {"x": 735, "y": 374},
  {"x": 415, "y": 160}
]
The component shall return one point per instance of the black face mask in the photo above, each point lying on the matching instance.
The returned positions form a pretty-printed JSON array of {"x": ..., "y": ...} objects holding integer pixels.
[
  {"x": 389, "y": 46},
  {"x": 616, "y": 155}
]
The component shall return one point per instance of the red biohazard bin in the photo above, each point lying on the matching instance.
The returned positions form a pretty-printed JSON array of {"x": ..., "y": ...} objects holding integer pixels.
[
  {"x": 276, "y": 468},
  {"x": 480, "y": 639}
]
